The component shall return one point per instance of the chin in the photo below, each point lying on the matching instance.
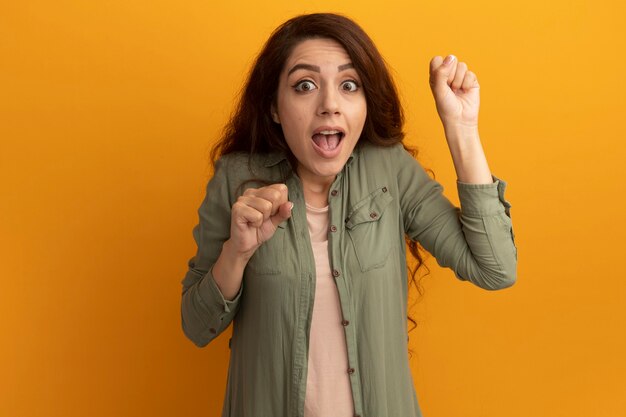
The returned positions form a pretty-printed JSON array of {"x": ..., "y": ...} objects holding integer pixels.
[{"x": 330, "y": 169}]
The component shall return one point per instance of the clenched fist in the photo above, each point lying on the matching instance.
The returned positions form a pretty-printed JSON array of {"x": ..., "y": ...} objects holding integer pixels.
[
  {"x": 256, "y": 215},
  {"x": 456, "y": 92}
]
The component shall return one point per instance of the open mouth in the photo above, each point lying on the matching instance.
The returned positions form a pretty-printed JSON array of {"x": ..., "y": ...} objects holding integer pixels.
[{"x": 328, "y": 140}]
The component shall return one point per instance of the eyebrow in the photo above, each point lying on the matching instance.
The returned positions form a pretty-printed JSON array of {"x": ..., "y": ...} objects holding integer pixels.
[{"x": 315, "y": 68}]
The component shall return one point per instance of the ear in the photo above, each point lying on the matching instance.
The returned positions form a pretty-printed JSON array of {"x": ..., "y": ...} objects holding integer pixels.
[{"x": 274, "y": 113}]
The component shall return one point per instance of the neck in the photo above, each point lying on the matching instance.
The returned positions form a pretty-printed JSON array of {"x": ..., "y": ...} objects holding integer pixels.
[{"x": 316, "y": 190}]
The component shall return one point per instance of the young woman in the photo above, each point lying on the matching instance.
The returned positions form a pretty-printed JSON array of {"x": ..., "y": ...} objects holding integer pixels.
[{"x": 301, "y": 238}]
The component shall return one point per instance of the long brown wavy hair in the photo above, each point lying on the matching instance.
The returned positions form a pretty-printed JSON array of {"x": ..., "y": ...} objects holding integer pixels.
[{"x": 251, "y": 129}]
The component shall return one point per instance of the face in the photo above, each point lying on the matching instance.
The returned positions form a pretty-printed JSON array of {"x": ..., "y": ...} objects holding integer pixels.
[{"x": 321, "y": 108}]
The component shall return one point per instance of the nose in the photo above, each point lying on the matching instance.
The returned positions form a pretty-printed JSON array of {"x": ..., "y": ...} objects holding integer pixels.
[{"x": 328, "y": 101}]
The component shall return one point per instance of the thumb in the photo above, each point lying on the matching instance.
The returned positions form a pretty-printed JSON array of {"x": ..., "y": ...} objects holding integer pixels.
[
  {"x": 282, "y": 214},
  {"x": 442, "y": 71}
]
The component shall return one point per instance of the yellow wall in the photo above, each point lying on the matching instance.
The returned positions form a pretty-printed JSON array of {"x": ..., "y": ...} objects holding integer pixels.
[{"x": 108, "y": 108}]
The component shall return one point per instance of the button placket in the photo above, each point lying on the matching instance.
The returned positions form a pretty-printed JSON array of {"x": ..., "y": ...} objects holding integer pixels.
[{"x": 335, "y": 237}]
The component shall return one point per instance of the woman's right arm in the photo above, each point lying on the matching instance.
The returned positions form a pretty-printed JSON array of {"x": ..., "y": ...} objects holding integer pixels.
[{"x": 226, "y": 238}]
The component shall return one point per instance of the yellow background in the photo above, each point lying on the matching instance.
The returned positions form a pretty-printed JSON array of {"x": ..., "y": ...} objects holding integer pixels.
[{"x": 107, "y": 112}]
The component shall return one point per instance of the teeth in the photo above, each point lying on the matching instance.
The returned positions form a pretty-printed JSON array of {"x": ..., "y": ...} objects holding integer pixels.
[{"x": 330, "y": 132}]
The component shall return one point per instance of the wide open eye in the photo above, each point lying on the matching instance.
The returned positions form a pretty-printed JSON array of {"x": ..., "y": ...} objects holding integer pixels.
[
  {"x": 304, "y": 86},
  {"x": 350, "y": 86}
]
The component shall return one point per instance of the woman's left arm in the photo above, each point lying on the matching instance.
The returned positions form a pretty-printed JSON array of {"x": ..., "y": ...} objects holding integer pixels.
[
  {"x": 476, "y": 241},
  {"x": 457, "y": 97}
]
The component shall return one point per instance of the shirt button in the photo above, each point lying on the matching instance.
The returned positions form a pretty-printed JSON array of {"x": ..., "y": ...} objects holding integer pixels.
[
  {"x": 334, "y": 193},
  {"x": 384, "y": 189},
  {"x": 345, "y": 322},
  {"x": 212, "y": 330},
  {"x": 335, "y": 273},
  {"x": 350, "y": 371},
  {"x": 373, "y": 215},
  {"x": 333, "y": 228}
]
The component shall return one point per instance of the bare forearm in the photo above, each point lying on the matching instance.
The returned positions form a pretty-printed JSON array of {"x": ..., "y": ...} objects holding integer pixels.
[
  {"x": 228, "y": 271},
  {"x": 470, "y": 162}
]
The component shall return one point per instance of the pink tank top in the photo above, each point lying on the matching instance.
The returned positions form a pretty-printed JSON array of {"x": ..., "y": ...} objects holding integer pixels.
[{"x": 328, "y": 391}]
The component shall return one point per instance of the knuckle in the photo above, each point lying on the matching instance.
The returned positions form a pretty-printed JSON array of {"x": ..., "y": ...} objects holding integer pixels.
[
  {"x": 241, "y": 203},
  {"x": 275, "y": 194},
  {"x": 237, "y": 208}
]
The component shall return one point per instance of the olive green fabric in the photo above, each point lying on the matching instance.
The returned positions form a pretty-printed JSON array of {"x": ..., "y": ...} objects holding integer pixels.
[{"x": 380, "y": 195}]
